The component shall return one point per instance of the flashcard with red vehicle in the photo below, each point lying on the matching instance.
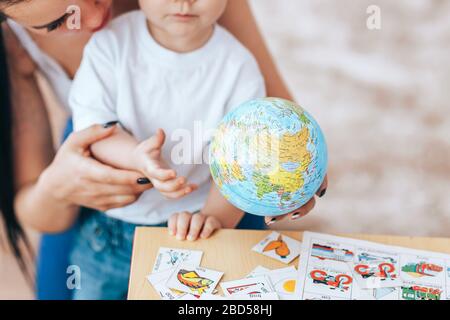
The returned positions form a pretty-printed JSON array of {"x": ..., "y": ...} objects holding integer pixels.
[
  {"x": 260, "y": 284},
  {"x": 414, "y": 291},
  {"x": 423, "y": 269},
  {"x": 329, "y": 282},
  {"x": 279, "y": 247},
  {"x": 374, "y": 269}
]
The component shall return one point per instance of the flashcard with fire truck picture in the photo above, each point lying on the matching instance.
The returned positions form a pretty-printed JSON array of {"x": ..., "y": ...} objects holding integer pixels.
[
  {"x": 329, "y": 282},
  {"x": 376, "y": 269},
  {"x": 423, "y": 269},
  {"x": 414, "y": 291}
]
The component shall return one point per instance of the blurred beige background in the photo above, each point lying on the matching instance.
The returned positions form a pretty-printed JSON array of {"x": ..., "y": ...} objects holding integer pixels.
[{"x": 382, "y": 98}]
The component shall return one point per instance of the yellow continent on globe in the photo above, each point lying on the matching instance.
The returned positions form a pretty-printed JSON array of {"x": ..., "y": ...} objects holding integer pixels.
[{"x": 291, "y": 149}]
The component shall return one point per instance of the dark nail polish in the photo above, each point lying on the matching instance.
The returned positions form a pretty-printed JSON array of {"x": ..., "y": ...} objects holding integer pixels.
[
  {"x": 143, "y": 181},
  {"x": 324, "y": 191},
  {"x": 110, "y": 124},
  {"x": 272, "y": 221}
]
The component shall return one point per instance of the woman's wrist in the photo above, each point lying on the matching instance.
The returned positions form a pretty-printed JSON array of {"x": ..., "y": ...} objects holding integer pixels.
[{"x": 48, "y": 188}]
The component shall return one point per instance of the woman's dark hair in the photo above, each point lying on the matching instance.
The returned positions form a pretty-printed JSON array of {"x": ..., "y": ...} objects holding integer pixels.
[{"x": 18, "y": 241}]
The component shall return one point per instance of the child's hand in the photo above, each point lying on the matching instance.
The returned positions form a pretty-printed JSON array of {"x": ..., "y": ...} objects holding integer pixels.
[
  {"x": 190, "y": 226},
  {"x": 153, "y": 166}
]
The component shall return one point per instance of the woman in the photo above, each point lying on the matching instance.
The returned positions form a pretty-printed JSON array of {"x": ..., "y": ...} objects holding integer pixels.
[{"x": 49, "y": 191}]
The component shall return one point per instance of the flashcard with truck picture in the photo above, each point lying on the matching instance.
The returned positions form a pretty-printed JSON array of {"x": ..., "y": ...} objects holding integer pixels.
[
  {"x": 378, "y": 272},
  {"x": 376, "y": 269},
  {"x": 169, "y": 258},
  {"x": 193, "y": 279},
  {"x": 413, "y": 291},
  {"x": 329, "y": 282},
  {"x": 279, "y": 247},
  {"x": 423, "y": 269},
  {"x": 253, "y": 285}
]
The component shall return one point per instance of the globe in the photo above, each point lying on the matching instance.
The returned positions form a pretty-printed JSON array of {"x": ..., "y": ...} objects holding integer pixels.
[{"x": 268, "y": 157}]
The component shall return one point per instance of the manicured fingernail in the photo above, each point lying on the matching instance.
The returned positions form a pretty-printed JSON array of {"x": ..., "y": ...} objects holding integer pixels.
[
  {"x": 110, "y": 124},
  {"x": 143, "y": 181},
  {"x": 179, "y": 237},
  {"x": 295, "y": 216},
  {"x": 324, "y": 191},
  {"x": 190, "y": 238},
  {"x": 272, "y": 221},
  {"x": 171, "y": 232}
]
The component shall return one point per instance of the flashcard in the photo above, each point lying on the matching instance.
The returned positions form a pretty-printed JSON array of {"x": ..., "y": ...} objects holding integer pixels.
[
  {"x": 259, "y": 270},
  {"x": 169, "y": 258},
  {"x": 256, "y": 296},
  {"x": 284, "y": 282},
  {"x": 279, "y": 247},
  {"x": 376, "y": 269},
  {"x": 158, "y": 281},
  {"x": 412, "y": 291},
  {"x": 193, "y": 279},
  {"x": 252, "y": 285},
  {"x": 330, "y": 282},
  {"x": 342, "y": 268},
  {"x": 423, "y": 270}
]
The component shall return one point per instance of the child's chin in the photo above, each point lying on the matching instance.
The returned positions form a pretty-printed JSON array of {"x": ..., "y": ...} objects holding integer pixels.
[{"x": 182, "y": 29}]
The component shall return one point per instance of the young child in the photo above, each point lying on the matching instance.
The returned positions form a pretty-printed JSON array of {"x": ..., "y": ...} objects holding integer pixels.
[{"x": 166, "y": 66}]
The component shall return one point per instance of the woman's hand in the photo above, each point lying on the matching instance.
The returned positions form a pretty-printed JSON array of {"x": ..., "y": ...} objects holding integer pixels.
[
  {"x": 75, "y": 178},
  {"x": 303, "y": 211}
]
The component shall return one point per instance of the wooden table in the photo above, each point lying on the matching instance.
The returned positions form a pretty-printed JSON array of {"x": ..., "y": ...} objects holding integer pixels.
[{"x": 230, "y": 251}]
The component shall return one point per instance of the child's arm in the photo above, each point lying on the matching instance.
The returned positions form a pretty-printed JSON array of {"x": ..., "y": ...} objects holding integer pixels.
[
  {"x": 217, "y": 213},
  {"x": 121, "y": 150},
  {"x": 219, "y": 207}
]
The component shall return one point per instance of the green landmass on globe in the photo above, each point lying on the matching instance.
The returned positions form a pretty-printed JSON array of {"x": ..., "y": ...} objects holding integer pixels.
[{"x": 268, "y": 157}]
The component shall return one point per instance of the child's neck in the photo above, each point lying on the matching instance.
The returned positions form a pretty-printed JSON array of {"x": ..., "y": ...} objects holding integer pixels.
[{"x": 182, "y": 44}]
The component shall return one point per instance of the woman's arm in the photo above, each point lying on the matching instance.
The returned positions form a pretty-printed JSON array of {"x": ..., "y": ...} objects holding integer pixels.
[
  {"x": 239, "y": 20},
  {"x": 50, "y": 187}
]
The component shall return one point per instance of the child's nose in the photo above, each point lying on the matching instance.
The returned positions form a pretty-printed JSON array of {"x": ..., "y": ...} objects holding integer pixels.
[{"x": 185, "y": 5}]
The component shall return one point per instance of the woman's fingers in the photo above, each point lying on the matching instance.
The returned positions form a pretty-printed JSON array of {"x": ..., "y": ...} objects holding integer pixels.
[
  {"x": 82, "y": 140},
  {"x": 297, "y": 214},
  {"x": 211, "y": 225},
  {"x": 97, "y": 172},
  {"x": 119, "y": 201},
  {"x": 304, "y": 210},
  {"x": 197, "y": 222},
  {"x": 323, "y": 188}
]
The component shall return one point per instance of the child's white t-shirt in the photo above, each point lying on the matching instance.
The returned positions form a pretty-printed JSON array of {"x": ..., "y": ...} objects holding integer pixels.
[{"x": 127, "y": 76}]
